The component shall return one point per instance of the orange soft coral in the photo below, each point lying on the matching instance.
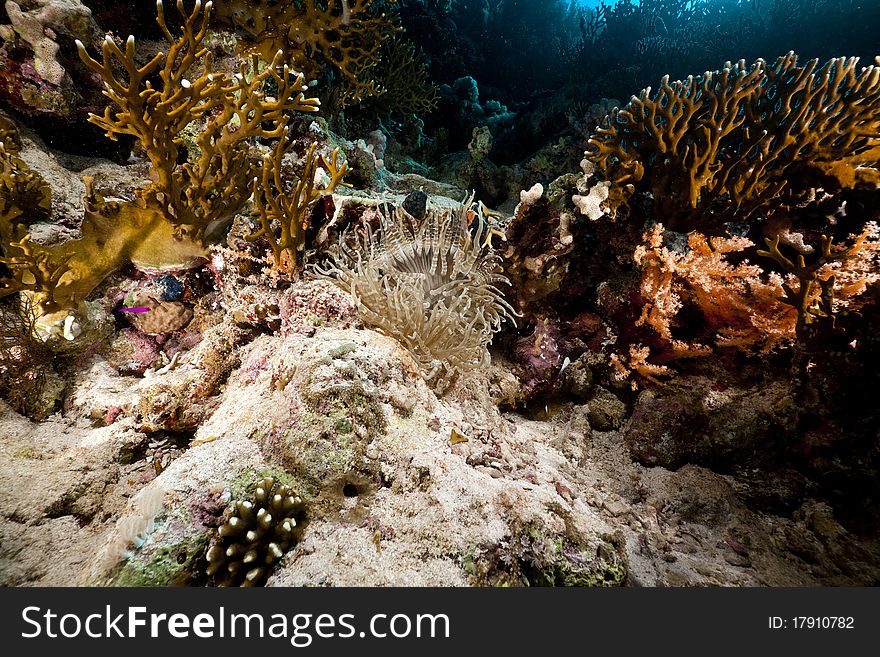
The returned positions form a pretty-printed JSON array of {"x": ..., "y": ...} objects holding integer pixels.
[{"x": 740, "y": 304}]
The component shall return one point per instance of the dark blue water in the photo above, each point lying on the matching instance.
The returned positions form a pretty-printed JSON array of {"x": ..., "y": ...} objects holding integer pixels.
[{"x": 529, "y": 55}]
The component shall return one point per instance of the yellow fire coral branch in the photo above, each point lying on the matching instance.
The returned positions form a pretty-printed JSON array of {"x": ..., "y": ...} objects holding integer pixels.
[
  {"x": 808, "y": 304},
  {"x": 290, "y": 210},
  {"x": 235, "y": 108},
  {"x": 346, "y": 35},
  {"x": 757, "y": 137},
  {"x": 403, "y": 77},
  {"x": 157, "y": 117},
  {"x": 24, "y": 196}
]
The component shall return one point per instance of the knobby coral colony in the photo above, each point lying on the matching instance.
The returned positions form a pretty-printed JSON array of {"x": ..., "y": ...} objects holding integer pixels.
[
  {"x": 165, "y": 227},
  {"x": 255, "y": 536},
  {"x": 777, "y": 153},
  {"x": 431, "y": 283}
]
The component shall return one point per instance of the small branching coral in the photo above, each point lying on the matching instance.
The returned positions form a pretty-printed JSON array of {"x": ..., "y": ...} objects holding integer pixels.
[
  {"x": 739, "y": 304},
  {"x": 288, "y": 209},
  {"x": 403, "y": 77},
  {"x": 822, "y": 284},
  {"x": 24, "y": 198},
  {"x": 25, "y": 362},
  {"x": 429, "y": 283},
  {"x": 754, "y": 140},
  {"x": 256, "y": 535}
]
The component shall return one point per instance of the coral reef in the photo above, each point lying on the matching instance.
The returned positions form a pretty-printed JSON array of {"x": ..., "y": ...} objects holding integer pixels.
[
  {"x": 735, "y": 158},
  {"x": 256, "y": 535},
  {"x": 682, "y": 189},
  {"x": 167, "y": 224},
  {"x": 647, "y": 364}
]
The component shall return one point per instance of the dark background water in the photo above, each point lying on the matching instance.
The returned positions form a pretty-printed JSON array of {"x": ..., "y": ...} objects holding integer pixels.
[
  {"x": 546, "y": 59},
  {"x": 520, "y": 47}
]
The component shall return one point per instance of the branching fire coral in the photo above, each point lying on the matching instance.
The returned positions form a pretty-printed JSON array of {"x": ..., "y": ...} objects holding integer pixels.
[
  {"x": 404, "y": 79},
  {"x": 830, "y": 281},
  {"x": 157, "y": 102},
  {"x": 24, "y": 195},
  {"x": 345, "y": 34},
  {"x": 752, "y": 140},
  {"x": 429, "y": 284},
  {"x": 25, "y": 362},
  {"x": 235, "y": 108},
  {"x": 783, "y": 154},
  {"x": 290, "y": 210},
  {"x": 24, "y": 198}
]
